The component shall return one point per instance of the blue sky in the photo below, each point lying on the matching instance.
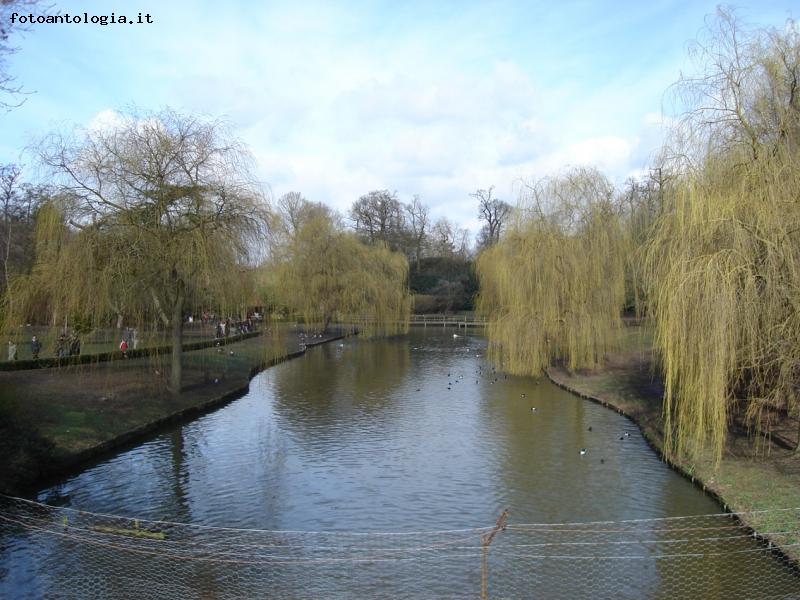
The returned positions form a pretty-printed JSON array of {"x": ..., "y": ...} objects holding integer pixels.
[{"x": 336, "y": 99}]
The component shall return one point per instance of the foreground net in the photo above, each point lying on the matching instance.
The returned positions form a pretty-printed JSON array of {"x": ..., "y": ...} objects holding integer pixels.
[{"x": 63, "y": 553}]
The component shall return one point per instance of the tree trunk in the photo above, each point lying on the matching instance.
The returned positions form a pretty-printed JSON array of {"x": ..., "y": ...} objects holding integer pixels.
[
  {"x": 160, "y": 310},
  {"x": 177, "y": 344},
  {"x": 7, "y": 255},
  {"x": 797, "y": 447}
]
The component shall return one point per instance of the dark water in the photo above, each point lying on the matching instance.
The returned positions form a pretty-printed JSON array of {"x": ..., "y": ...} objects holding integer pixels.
[{"x": 413, "y": 434}]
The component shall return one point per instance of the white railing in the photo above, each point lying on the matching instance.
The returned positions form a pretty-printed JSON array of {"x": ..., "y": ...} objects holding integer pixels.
[{"x": 439, "y": 320}]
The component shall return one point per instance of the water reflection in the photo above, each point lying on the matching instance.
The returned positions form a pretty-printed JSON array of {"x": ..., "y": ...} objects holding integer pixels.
[{"x": 343, "y": 386}]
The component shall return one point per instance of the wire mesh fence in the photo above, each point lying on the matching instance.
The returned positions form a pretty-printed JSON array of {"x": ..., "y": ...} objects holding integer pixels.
[{"x": 53, "y": 552}]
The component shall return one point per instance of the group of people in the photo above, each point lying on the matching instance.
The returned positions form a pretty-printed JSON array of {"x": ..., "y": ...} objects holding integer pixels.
[
  {"x": 227, "y": 327},
  {"x": 210, "y": 317},
  {"x": 70, "y": 345},
  {"x": 65, "y": 346}
]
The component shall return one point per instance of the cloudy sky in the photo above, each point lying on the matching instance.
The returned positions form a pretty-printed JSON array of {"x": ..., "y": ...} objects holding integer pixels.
[{"x": 338, "y": 98}]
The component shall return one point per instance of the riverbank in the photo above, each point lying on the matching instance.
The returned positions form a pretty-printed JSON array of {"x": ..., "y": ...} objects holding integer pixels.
[
  {"x": 53, "y": 420},
  {"x": 755, "y": 474}
]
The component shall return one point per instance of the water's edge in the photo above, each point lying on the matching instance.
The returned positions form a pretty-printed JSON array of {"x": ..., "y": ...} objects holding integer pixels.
[
  {"x": 64, "y": 466},
  {"x": 61, "y": 466},
  {"x": 656, "y": 444}
]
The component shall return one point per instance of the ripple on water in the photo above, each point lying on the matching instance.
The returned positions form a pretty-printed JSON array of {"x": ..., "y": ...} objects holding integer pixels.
[{"x": 370, "y": 438}]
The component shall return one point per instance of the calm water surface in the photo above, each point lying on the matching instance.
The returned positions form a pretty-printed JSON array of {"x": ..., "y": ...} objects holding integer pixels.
[{"x": 415, "y": 433}]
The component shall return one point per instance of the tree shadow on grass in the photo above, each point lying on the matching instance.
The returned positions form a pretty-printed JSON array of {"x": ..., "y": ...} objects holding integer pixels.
[{"x": 25, "y": 452}]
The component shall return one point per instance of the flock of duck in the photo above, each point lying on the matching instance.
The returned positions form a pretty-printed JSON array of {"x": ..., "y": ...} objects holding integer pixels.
[{"x": 494, "y": 378}]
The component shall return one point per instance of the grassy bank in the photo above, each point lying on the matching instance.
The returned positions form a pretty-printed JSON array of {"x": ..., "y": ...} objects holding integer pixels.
[
  {"x": 52, "y": 419},
  {"x": 756, "y": 474}
]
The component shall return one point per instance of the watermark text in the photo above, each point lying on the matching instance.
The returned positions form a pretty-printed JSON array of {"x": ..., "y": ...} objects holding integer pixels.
[{"x": 81, "y": 18}]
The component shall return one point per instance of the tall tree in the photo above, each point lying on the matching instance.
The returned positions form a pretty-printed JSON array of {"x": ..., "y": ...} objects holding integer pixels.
[
  {"x": 329, "y": 275},
  {"x": 155, "y": 215},
  {"x": 292, "y": 208},
  {"x": 18, "y": 203},
  {"x": 462, "y": 244},
  {"x": 745, "y": 94},
  {"x": 444, "y": 238},
  {"x": 554, "y": 285},
  {"x": 722, "y": 267},
  {"x": 417, "y": 227},
  {"x": 378, "y": 217},
  {"x": 292, "y": 212},
  {"x": 9, "y": 198},
  {"x": 494, "y": 213}
]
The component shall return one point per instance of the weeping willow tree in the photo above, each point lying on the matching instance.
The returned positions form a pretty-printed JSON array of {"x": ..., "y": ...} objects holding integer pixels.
[
  {"x": 329, "y": 275},
  {"x": 722, "y": 266},
  {"x": 554, "y": 286},
  {"x": 156, "y": 216}
]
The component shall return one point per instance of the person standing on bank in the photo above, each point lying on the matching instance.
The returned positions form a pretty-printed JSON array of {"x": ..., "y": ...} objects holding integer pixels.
[
  {"x": 36, "y": 347},
  {"x": 74, "y": 345},
  {"x": 61, "y": 346},
  {"x": 12, "y": 350}
]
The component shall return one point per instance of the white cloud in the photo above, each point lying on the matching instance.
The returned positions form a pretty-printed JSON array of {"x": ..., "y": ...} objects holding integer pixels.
[
  {"x": 369, "y": 122},
  {"x": 106, "y": 120},
  {"x": 333, "y": 107}
]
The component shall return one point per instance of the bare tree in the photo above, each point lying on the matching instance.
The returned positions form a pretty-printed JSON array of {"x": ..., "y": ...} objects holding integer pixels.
[
  {"x": 17, "y": 202},
  {"x": 747, "y": 94},
  {"x": 417, "y": 226},
  {"x": 378, "y": 216},
  {"x": 494, "y": 213},
  {"x": 8, "y": 27},
  {"x": 443, "y": 238},
  {"x": 462, "y": 243},
  {"x": 292, "y": 212},
  {"x": 291, "y": 207},
  {"x": 9, "y": 194}
]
